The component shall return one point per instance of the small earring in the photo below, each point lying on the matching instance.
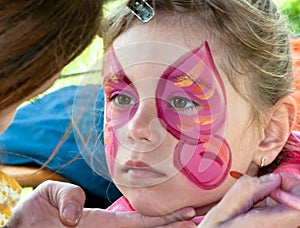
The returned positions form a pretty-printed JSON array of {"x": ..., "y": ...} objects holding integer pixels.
[{"x": 262, "y": 163}]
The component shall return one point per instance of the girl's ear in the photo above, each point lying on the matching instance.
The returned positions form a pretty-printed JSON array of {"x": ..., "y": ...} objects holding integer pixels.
[{"x": 278, "y": 129}]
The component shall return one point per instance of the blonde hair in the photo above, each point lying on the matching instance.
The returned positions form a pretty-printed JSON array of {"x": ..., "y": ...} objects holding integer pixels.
[{"x": 252, "y": 33}]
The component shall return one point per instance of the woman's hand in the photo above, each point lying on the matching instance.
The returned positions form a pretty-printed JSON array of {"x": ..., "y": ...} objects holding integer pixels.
[
  {"x": 269, "y": 201},
  {"x": 57, "y": 204},
  {"x": 97, "y": 218}
]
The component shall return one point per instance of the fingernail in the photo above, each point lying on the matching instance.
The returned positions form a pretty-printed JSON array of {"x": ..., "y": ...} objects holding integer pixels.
[
  {"x": 188, "y": 213},
  {"x": 71, "y": 213},
  {"x": 269, "y": 177},
  {"x": 236, "y": 174}
]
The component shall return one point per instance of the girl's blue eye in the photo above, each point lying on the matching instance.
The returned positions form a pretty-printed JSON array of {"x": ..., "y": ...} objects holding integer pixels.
[
  {"x": 181, "y": 103},
  {"x": 122, "y": 100}
]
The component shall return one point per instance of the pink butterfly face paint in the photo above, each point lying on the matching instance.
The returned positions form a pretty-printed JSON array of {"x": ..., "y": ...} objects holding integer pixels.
[
  {"x": 198, "y": 118},
  {"x": 191, "y": 105},
  {"x": 116, "y": 85}
]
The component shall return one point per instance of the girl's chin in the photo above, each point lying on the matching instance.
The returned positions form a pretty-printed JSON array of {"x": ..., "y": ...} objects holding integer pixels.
[
  {"x": 153, "y": 210},
  {"x": 150, "y": 207}
]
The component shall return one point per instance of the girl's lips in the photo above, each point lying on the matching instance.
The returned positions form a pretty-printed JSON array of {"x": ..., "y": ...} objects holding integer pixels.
[{"x": 140, "y": 169}]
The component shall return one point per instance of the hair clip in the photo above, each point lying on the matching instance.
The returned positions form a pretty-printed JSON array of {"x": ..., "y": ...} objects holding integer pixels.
[{"x": 142, "y": 9}]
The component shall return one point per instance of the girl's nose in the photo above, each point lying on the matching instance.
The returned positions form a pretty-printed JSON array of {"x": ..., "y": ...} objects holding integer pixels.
[{"x": 144, "y": 125}]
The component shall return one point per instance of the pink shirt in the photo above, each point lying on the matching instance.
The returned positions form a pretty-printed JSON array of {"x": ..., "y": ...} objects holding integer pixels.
[{"x": 291, "y": 157}]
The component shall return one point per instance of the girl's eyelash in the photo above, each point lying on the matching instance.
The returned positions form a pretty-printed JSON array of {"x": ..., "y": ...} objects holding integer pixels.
[
  {"x": 112, "y": 97},
  {"x": 192, "y": 105},
  {"x": 115, "y": 96}
]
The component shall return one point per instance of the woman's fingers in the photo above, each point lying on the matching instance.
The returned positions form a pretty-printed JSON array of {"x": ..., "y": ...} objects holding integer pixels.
[
  {"x": 182, "y": 224},
  {"x": 95, "y": 218},
  {"x": 288, "y": 194},
  {"x": 176, "y": 219},
  {"x": 286, "y": 198},
  {"x": 243, "y": 195},
  {"x": 268, "y": 217},
  {"x": 42, "y": 207},
  {"x": 68, "y": 198}
]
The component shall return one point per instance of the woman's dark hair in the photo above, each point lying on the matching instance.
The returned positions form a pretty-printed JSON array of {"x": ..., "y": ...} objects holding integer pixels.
[{"x": 38, "y": 38}]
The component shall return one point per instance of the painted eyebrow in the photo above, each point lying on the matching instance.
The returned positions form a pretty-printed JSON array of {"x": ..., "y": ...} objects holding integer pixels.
[
  {"x": 122, "y": 78},
  {"x": 198, "y": 81},
  {"x": 208, "y": 63},
  {"x": 118, "y": 71},
  {"x": 115, "y": 68}
]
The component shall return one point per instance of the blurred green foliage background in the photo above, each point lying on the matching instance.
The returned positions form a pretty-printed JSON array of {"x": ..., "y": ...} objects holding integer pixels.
[{"x": 291, "y": 8}]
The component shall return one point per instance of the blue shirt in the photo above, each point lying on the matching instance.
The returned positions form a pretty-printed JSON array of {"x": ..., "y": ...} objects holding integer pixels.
[{"x": 38, "y": 128}]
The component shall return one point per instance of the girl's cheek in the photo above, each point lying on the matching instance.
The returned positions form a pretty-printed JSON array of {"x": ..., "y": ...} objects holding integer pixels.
[
  {"x": 202, "y": 153},
  {"x": 206, "y": 164},
  {"x": 110, "y": 143}
]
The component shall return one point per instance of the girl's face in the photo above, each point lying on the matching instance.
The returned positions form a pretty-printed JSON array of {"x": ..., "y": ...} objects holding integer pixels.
[{"x": 175, "y": 126}]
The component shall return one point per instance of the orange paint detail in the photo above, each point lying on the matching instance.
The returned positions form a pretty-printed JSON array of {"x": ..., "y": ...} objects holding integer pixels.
[
  {"x": 197, "y": 69},
  {"x": 114, "y": 78},
  {"x": 184, "y": 81},
  {"x": 106, "y": 139},
  {"x": 188, "y": 124},
  {"x": 207, "y": 95}
]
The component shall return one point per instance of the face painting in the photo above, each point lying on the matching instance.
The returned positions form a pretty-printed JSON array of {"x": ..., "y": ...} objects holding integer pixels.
[{"x": 191, "y": 106}]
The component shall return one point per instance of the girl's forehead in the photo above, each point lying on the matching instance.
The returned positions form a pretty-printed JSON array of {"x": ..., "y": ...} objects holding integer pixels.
[
  {"x": 155, "y": 42},
  {"x": 149, "y": 52},
  {"x": 158, "y": 30},
  {"x": 150, "y": 59}
]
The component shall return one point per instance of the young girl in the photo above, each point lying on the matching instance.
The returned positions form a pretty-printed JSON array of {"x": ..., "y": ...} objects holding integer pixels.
[
  {"x": 38, "y": 38},
  {"x": 201, "y": 90}
]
